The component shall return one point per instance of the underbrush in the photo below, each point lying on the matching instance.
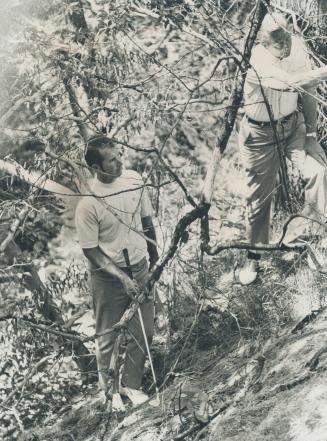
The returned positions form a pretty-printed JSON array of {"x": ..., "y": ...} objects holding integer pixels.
[
  {"x": 38, "y": 373},
  {"x": 209, "y": 310},
  {"x": 38, "y": 378}
]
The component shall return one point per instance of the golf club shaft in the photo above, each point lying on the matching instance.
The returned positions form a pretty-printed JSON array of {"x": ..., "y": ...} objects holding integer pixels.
[{"x": 130, "y": 273}]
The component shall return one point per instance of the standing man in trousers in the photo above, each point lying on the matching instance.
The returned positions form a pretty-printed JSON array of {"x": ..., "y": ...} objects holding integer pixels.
[
  {"x": 116, "y": 219},
  {"x": 271, "y": 107}
]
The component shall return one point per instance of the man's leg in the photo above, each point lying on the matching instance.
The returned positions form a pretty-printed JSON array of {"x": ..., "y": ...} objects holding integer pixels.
[
  {"x": 315, "y": 205},
  {"x": 261, "y": 162},
  {"x": 136, "y": 349},
  {"x": 315, "y": 175},
  {"x": 260, "y": 159},
  {"x": 110, "y": 302}
]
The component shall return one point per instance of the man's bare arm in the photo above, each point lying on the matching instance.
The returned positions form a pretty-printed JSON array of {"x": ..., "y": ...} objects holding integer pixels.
[
  {"x": 310, "y": 79},
  {"x": 150, "y": 232},
  {"x": 103, "y": 262},
  {"x": 275, "y": 78}
]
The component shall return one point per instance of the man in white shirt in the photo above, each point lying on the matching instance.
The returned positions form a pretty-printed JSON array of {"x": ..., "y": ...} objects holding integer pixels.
[
  {"x": 271, "y": 109},
  {"x": 116, "y": 219}
]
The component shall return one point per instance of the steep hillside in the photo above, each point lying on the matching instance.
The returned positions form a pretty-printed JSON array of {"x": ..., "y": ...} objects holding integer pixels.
[{"x": 273, "y": 393}]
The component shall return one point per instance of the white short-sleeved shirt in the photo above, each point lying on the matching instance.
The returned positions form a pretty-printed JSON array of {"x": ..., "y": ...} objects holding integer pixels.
[
  {"x": 114, "y": 227},
  {"x": 269, "y": 69}
]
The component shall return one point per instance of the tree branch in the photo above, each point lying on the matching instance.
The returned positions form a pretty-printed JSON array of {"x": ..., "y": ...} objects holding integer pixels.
[
  {"x": 277, "y": 246},
  {"x": 34, "y": 178}
]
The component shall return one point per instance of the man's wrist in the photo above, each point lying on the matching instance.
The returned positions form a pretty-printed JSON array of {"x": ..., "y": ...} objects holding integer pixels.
[{"x": 311, "y": 135}]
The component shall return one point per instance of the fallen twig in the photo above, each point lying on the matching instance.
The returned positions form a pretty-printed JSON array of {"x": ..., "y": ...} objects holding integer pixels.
[
  {"x": 313, "y": 363},
  {"x": 276, "y": 246},
  {"x": 306, "y": 320}
]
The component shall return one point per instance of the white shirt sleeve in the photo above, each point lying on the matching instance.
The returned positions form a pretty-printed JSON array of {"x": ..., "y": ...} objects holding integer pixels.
[{"x": 87, "y": 224}]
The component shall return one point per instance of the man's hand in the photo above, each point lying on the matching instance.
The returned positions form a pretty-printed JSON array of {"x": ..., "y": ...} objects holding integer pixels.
[
  {"x": 133, "y": 290},
  {"x": 314, "y": 149},
  {"x": 310, "y": 79},
  {"x": 131, "y": 287}
]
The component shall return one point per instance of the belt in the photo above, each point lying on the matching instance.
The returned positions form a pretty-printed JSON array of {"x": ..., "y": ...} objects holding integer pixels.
[{"x": 269, "y": 123}]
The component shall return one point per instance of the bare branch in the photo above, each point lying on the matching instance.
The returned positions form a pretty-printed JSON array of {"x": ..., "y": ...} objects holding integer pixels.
[
  {"x": 181, "y": 226},
  {"x": 123, "y": 125},
  {"x": 14, "y": 227},
  {"x": 34, "y": 178}
]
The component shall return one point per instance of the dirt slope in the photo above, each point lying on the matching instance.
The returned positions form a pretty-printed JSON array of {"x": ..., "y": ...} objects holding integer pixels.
[
  {"x": 278, "y": 394},
  {"x": 288, "y": 399}
]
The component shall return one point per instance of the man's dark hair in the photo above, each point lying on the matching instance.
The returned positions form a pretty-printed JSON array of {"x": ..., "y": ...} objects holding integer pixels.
[{"x": 93, "y": 149}]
